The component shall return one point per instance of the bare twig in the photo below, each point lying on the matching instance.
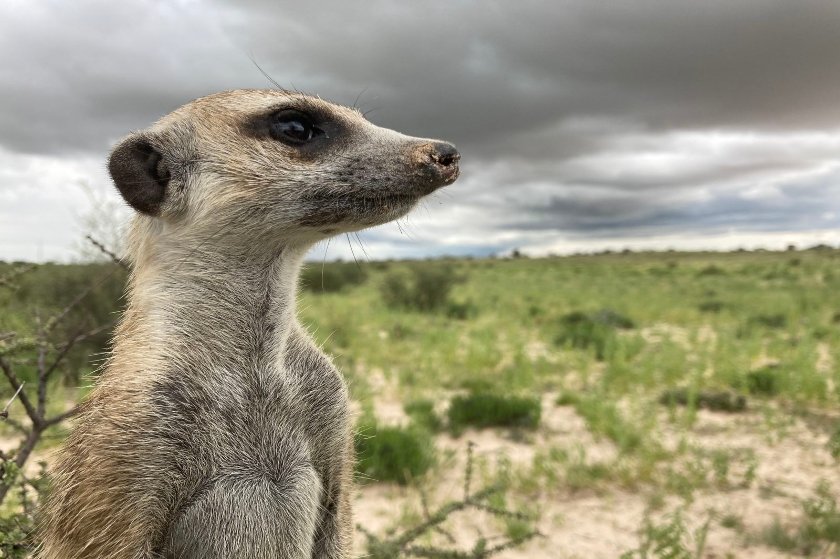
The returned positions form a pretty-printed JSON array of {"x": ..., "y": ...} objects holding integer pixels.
[
  {"x": 401, "y": 545},
  {"x": 17, "y": 385},
  {"x": 104, "y": 250},
  {"x": 468, "y": 473},
  {"x": 5, "y": 413},
  {"x": 42, "y": 379},
  {"x": 62, "y": 416},
  {"x": 65, "y": 349},
  {"x": 41, "y": 351}
]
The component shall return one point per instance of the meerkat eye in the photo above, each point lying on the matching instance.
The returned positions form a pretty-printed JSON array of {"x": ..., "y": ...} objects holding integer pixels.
[{"x": 293, "y": 127}]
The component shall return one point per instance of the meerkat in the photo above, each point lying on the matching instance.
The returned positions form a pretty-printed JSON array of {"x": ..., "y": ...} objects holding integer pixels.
[{"x": 218, "y": 429}]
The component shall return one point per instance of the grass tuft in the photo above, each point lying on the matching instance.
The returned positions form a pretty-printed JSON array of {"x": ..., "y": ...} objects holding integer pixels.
[
  {"x": 392, "y": 453},
  {"x": 764, "y": 381},
  {"x": 595, "y": 331},
  {"x": 485, "y": 409},
  {"x": 724, "y": 401},
  {"x": 422, "y": 412}
]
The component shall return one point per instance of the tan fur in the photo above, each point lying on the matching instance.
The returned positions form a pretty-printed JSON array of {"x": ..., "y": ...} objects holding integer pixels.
[{"x": 217, "y": 428}]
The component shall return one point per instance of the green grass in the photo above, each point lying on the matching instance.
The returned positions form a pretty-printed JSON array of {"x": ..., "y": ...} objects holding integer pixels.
[
  {"x": 670, "y": 538},
  {"x": 391, "y": 453},
  {"x": 816, "y": 533},
  {"x": 724, "y": 401},
  {"x": 595, "y": 331},
  {"x": 834, "y": 442},
  {"x": 753, "y": 335},
  {"x": 422, "y": 288},
  {"x": 422, "y": 412},
  {"x": 485, "y": 409},
  {"x": 335, "y": 277},
  {"x": 605, "y": 419}
]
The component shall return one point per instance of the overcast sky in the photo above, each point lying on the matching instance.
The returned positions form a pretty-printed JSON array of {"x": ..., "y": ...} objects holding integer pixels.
[{"x": 583, "y": 125}]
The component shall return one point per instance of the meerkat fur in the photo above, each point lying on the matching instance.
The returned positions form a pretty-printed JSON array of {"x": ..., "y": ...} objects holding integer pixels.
[{"x": 217, "y": 428}]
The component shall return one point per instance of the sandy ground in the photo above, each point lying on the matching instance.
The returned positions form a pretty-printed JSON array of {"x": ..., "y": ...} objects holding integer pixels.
[{"x": 605, "y": 522}]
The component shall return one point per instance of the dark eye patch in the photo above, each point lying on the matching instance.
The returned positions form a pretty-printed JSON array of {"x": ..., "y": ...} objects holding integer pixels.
[{"x": 293, "y": 127}]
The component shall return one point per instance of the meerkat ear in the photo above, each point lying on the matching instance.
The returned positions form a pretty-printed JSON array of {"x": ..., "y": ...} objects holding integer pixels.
[{"x": 140, "y": 174}]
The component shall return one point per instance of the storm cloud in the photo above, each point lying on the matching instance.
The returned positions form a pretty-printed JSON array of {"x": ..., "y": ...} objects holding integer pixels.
[{"x": 581, "y": 124}]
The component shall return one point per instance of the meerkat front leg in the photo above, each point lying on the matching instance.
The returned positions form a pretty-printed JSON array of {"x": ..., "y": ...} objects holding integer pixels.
[{"x": 334, "y": 534}]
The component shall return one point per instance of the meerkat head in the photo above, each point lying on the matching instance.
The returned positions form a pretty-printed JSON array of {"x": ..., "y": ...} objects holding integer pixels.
[{"x": 259, "y": 165}]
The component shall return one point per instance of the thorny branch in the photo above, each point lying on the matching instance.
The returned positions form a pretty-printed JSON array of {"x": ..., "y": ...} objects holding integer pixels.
[
  {"x": 104, "y": 250},
  {"x": 401, "y": 545},
  {"x": 5, "y": 413},
  {"x": 48, "y": 357}
]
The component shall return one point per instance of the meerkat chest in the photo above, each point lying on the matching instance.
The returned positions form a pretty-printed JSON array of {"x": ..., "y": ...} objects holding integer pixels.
[{"x": 248, "y": 420}]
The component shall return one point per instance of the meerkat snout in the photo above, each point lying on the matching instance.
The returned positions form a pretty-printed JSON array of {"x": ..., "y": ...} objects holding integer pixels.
[{"x": 441, "y": 159}]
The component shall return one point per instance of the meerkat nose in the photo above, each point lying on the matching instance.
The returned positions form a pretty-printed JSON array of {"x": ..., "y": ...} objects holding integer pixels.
[
  {"x": 444, "y": 154},
  {"x": 438, "y": 162}
]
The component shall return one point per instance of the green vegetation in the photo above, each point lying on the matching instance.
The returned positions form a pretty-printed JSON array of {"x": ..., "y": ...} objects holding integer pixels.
[
  {"x": 593, "y": 330},
  {"x": 818, "y": 531},
  {"x": 670, "y": 539},
  {"x": 391, "y": 453},
  {"x": 834, "y": 442},
  {"x": 484, "y": 409},
  {"x": 421, "y": 288},
  {"x": 666, "y": 377},
  {"x": 422, "y": 412},
  {"x": 723, "y": 400},
  {"x": 337, "y": 276},
  {"x": 604, "y": 419}
]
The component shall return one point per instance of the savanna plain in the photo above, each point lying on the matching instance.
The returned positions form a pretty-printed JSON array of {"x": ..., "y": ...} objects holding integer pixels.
[{"x": 634, "y": 405}]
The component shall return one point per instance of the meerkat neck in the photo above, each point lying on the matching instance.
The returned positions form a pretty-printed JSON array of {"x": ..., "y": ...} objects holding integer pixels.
[{"x": 219, "y": 308}]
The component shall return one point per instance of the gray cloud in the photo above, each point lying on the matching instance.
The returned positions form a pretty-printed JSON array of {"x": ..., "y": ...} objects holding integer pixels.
[{"x": 575, "y": 118}]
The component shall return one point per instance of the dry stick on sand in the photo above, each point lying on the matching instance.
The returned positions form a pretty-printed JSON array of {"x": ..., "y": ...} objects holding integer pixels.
[{"x": 401, "y": 545}]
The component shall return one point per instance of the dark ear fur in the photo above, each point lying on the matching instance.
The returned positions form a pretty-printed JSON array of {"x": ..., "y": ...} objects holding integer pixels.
[{"x": 140, "y": 174}]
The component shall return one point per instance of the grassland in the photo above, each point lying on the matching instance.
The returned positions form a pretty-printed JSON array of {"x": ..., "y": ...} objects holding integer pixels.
[{"x": 636, "y": 405}]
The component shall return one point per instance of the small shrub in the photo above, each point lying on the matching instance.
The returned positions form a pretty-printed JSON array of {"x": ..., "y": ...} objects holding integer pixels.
[
  {"x": 764, "y": 381},
  {"x": 536, "y": 311},
  {"x": 776, "y": 535},
  {"x": 777, "y": 320},
  {"x": 818, "y": 532},
  {"x": 604, "y": 418},
  {"x": 822, "y": 517},
  {"x": 716, "y": 401},
  {"x": 670, "y": 539},
  {"x": 711, "y": 306},
  {"x": 732, "y": 521},
  {"x": 566, "y": 399},
  {"x": 711, "y": 270},
  {"x": 484, "y": 409},
  {"x": 609, "y": 317},
  {"x": 332, "y": 277},
  {"x": 425, "y": 288},
  {"x": 390, "y": 453},
  {"x": 834, "y": 442},
  {"x": 461, "y": 311},
  {"x": 591, "y": 331}
]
